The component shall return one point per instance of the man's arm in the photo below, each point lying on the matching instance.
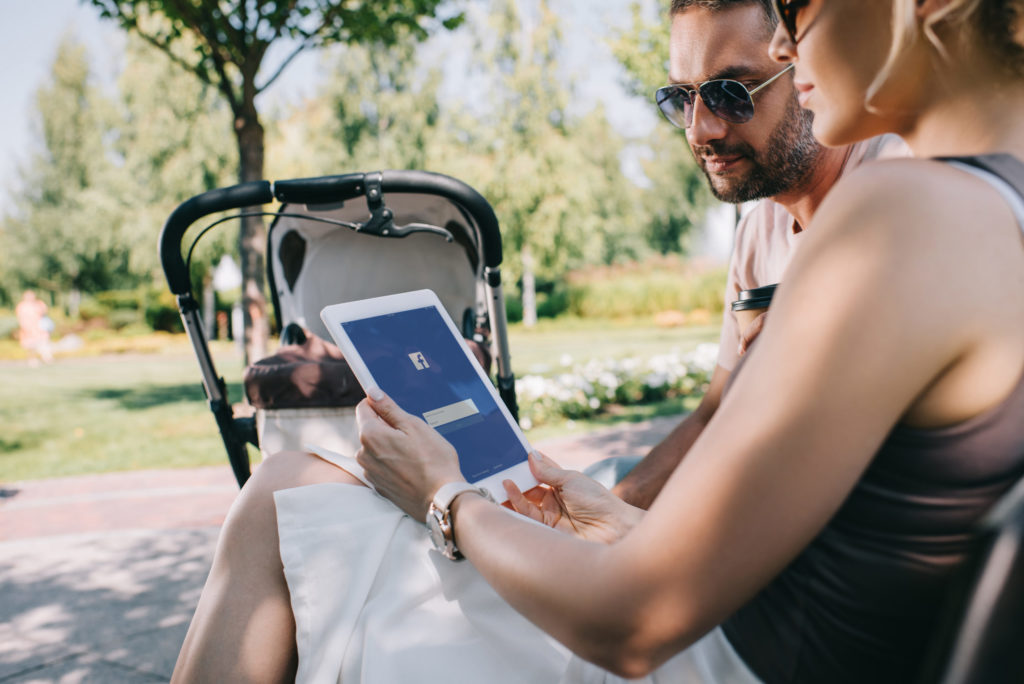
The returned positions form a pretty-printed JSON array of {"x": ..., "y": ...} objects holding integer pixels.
[{"x": 643, "y": 483}]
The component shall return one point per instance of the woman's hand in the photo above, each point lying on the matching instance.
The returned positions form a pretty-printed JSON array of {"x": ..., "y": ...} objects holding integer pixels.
[
  {"x": 405, "y": 459},
  {"x": 572, "y": 502}
]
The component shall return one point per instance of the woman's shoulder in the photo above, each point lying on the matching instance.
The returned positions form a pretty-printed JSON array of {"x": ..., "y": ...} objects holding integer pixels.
[
  {"x": 913, "y": 195},
  {"x": 897, "y": 175}
]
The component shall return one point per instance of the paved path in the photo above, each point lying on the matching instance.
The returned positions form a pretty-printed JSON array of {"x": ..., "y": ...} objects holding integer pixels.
[{"x": 99, "y": 575}]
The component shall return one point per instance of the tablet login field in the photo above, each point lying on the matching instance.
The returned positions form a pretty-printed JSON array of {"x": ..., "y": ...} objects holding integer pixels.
[{"x": 446, "y": 415}]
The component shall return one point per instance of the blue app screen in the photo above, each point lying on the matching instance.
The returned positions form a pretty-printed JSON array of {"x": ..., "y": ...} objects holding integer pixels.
[{"x": 415, "y": 359}]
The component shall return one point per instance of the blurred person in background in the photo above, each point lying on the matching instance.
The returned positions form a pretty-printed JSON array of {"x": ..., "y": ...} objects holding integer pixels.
[{"x": 34, "y": 327}]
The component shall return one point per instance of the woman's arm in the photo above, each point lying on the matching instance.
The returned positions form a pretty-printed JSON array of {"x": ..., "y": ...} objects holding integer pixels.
[{"x": 858, "y": 333}]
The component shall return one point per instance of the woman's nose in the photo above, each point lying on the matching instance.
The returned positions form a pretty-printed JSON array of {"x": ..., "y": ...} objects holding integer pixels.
[{"x": 782, "y": 49}]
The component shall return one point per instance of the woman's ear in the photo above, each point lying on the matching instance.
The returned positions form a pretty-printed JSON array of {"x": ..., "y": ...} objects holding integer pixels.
[{"x": 926, "y": 8}]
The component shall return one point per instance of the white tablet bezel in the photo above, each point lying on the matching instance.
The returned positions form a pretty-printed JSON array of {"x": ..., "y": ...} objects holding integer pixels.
[{"x": 333, "y": 316}]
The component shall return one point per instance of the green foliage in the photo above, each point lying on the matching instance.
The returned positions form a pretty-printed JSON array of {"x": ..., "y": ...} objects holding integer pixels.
[
  {"x": 560, "y": 197},
  {"x": 677, "y": 196},
  {"x": 8, "y": 326},
  {"x": 226, "y": 40},
  {"x": 555, "y": 192},
  {"x": 110, "y": 169},
  {"x": 66, "y": 231},
  {"x": 146, "y": 308},
  {"x": 643, "y": 49},
  {"x": 552, "y": 301},
  {"x": 513, "y": 309},
  {"x": 170, "y": 138},
  {"x": 377, "y": 111},
  {"x": 161, "y": 312},
  {"x": 645, "y": 288}
]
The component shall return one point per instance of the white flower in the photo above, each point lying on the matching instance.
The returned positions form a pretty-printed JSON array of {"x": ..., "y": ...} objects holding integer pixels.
[{"x": 655, "y": 379}]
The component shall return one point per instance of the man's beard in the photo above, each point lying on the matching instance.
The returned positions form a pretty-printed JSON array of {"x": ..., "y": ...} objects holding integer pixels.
[{"x": 784, "y": 163}]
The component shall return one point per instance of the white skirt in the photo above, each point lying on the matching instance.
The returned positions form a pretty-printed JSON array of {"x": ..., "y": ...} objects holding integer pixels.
[{"x": 374, "y": 602}]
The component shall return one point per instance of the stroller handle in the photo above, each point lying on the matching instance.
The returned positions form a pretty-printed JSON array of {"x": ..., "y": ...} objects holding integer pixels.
[
  {"x": 321, "y": 190},
  {"x": 190, "y": 211},
  {"x": 327, "y": 189}
]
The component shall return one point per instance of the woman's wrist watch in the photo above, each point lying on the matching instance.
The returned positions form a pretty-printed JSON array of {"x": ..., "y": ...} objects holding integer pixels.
[{"x": 439, "y": 517}]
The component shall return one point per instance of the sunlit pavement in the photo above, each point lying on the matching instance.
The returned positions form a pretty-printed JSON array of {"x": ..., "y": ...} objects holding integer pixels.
[{"x": 99, "y": 575}]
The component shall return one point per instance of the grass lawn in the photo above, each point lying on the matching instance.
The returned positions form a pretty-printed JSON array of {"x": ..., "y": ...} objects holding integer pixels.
[
  {"x": 133, "y": 411},
  {"x": 106, "y": 413}
]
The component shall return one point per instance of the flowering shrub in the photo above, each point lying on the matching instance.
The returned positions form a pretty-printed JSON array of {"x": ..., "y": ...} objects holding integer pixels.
[{"x": 584, "y": 390}]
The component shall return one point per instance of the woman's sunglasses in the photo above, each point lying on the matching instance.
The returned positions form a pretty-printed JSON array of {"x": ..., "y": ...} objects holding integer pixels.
[
  {"x": 727, "y": 99},
  {"x": 788, "y": 11}
]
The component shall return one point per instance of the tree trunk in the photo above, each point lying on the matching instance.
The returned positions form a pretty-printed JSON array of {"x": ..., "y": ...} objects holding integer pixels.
[
  {"x": 529, "y": 289},
  {"x": 252, "y": 239},
  {"x": 209, "y": 308},
  {"x": 74, "y": 302}
]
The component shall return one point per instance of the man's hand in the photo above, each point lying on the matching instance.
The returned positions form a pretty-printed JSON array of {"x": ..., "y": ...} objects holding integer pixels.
[
  {"x": 570, "y": 501},
  {"x": 645, "y": 481},
  {"x": 751, "y": 332}
]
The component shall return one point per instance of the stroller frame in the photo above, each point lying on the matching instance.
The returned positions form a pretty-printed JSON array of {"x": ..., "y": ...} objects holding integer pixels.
[{"x": 237, "y": 432}]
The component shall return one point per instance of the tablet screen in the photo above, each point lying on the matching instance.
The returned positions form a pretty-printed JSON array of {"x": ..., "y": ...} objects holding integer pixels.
[{"x": 413, "y": 357}]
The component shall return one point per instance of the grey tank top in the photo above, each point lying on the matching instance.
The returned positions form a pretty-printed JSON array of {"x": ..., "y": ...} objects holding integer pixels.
[{"x": 860, "y": 603}]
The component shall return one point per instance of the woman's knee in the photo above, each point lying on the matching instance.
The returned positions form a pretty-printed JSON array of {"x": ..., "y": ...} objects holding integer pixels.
[
  {"x": 289, "y": 469},
  {"x": 251, "y": 524}
]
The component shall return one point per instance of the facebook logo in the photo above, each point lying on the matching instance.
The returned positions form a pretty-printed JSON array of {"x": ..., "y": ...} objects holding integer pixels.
[{"x": 419, "y": 360}]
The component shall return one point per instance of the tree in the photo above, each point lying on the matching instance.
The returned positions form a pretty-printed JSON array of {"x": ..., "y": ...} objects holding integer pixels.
[
  {"x": 231, "y": 38},
  {"x": 562, "y": 200},
  {"x": 378, "y": 110},
  {"x": 171, "y": 145},
  {"x": 677, "y": 196},
  {"x": 66, "y": 232},
  {"x": 553, "y": 178}
]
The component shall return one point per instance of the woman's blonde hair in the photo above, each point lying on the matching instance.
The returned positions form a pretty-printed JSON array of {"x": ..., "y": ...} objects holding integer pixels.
[{"x": 993, "y": 25}]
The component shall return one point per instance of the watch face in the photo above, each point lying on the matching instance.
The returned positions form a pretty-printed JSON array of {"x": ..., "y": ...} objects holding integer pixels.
[{"x": 434, "y": 525}]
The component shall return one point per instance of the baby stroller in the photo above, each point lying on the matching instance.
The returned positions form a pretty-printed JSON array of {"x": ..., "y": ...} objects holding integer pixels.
[{"x": 335, "y": 239}]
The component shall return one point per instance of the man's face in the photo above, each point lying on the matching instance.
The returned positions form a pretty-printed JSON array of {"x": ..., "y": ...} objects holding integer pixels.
[{"x": 773, "y": 153}]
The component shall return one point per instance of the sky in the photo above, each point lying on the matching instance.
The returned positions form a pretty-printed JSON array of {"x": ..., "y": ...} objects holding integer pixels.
[
  {"x": 32, "y": 29},
  {"x": 29, "y": 36}
]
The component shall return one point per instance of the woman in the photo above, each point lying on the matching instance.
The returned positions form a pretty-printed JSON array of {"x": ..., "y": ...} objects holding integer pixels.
[{"x": 820, "y": 515}]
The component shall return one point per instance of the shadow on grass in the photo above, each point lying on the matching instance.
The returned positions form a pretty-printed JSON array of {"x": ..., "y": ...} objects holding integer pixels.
[
  {"x": 148, "y": 396},
  {"x": 11, "y": 445}
]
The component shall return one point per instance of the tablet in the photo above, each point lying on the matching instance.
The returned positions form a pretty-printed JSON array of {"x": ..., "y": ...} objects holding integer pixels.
[{"x": 408, "y": 346}]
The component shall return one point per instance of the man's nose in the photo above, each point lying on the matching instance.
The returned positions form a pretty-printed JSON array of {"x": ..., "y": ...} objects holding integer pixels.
[{"x": 705, "y": 126}]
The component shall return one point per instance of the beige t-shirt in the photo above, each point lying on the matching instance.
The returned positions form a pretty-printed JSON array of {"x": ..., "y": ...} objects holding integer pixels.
[{"x": 766, "y": 239}]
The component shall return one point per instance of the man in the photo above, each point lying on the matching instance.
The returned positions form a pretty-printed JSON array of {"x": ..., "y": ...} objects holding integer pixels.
[{"x": 772, "y": 157}]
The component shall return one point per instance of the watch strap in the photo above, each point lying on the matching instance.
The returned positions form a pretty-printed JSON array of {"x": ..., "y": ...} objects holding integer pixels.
[
  {"x": 446, "y": 494},
  {"x": 440, "y": 515}
]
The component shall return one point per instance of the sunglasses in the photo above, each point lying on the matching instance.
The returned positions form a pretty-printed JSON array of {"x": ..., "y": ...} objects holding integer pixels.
[
  {"x": 788, "y": 11},
  {"x": 727, "y": 99}
]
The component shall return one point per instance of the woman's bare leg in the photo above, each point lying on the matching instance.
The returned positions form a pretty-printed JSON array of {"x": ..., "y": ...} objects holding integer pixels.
[{"x": 243, "y": 629}]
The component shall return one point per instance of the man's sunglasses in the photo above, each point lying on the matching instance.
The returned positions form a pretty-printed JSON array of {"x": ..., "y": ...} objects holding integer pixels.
[
  {"x": 788, "y": 11},
  {"x": 727, "y": 99}
]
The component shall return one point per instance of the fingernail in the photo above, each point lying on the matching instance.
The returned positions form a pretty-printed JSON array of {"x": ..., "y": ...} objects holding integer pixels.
[{"x": 376, "y": 394}]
